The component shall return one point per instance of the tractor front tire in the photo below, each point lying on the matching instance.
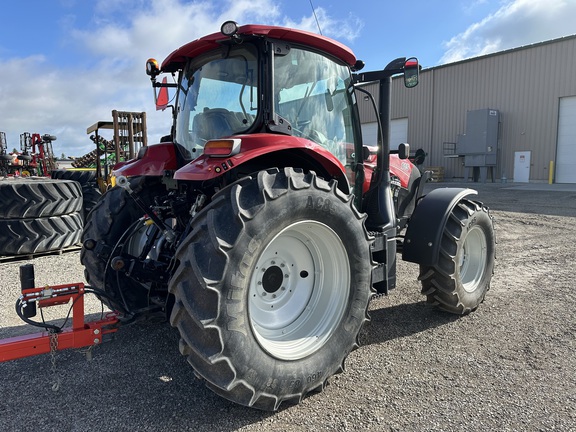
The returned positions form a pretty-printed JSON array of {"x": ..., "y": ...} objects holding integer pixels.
[
  {"x": 272, "y": 287},
  {"x": 460, "y": 280}
]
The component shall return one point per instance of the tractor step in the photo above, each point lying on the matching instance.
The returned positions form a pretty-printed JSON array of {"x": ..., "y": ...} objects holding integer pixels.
[{"x": 384, "y": 255}]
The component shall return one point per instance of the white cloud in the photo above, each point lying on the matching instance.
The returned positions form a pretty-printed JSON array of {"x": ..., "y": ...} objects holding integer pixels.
[
  {"x": 37, "y": 96},
  {"x": 164, "y": 25},
  {"x": 344, "y": 30},
  {"x": 516, "y": 23}
]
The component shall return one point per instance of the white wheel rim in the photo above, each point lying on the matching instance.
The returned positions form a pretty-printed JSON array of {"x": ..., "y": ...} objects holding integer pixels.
[
  {"x": 473, "y": 259},
  {"x": 299, "y": 290}
]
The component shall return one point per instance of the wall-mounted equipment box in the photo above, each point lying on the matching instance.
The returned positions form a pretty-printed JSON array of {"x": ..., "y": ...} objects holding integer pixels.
[{"x": 479, "y": 145}]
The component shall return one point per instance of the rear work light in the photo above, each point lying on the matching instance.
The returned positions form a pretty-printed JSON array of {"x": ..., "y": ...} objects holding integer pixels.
[
  {"x": 222, "y": 147},
  {"x": 152, "y": 68}
]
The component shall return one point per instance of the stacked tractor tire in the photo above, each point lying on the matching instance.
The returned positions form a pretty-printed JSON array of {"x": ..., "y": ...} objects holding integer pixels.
[
  {"x": 87, "y": 179},
  {"x": 39, "y": 215}
]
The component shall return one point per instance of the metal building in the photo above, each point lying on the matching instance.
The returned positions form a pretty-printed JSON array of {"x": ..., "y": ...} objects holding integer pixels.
[{"x": 533, "y": 90}]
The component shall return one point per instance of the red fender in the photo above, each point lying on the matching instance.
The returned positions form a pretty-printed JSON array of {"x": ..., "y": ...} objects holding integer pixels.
[
  {"x": 152, "y": 160},
  {"x": 252, "y": 146}
]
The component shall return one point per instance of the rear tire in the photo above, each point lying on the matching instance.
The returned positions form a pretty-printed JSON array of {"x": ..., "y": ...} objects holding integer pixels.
[
  {"x": 110, "y": 218},
  {"x": 90, "y": 196},
  {"x": 272, "y": 287},
  {"x": 461, "y": 279}
]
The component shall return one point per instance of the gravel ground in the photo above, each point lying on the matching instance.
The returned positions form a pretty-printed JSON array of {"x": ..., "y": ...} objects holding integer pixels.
[{"x": 508, "y": 366}]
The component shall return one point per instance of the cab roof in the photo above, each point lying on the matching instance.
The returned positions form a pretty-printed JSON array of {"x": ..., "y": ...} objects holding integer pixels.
[{"x": 177, "y": 58}]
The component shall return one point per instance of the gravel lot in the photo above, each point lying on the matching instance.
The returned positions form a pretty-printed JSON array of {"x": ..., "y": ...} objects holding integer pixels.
[{"x": 509, "y": 366}]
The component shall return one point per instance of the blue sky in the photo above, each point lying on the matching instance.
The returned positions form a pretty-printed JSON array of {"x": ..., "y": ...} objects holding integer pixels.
[{"x": 68, "y": 63}]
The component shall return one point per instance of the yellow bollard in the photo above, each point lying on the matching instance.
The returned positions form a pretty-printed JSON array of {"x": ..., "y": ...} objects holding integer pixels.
[{"x": 551, "y": 173}]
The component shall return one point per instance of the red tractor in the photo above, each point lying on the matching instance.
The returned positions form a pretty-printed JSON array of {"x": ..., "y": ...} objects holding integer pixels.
[{"x": 262, "y": 226}]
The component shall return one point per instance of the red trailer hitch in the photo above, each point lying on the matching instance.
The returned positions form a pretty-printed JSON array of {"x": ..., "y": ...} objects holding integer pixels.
[{"x": 80, "y": 334}]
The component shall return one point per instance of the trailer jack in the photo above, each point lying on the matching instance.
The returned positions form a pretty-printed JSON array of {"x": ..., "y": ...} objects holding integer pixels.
[{"x": 80, "y": 335}]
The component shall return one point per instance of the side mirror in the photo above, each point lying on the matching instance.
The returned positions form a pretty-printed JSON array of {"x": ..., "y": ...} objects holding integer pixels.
[
  {"x": 162, "y": 98},
  {"x": 365, "y": 153},
  {"x": 403, "y": 150},
  {"x": 411, "y": 72}
]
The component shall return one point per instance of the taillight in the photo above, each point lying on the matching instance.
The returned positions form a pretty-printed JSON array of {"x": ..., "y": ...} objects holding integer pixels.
[{"x": 222, "y": 147}]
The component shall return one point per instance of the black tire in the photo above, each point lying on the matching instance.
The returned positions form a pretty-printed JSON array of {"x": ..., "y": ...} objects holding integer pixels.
[
  {"x": 57, "y": 174},
  {"x": 36, "y": 235},
  {"x": 90, "y": 196},
  {"x": 110, "y": 218},
  {"x": 248, "y": 254},
  {"x": 461, "y": 279},
  {"x": 87, "y": 179},
  {"x": 35, "y": 198},
  {"x": 82, "y": 177}
]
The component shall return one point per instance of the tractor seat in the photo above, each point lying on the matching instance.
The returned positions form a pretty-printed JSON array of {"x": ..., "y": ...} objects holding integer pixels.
[{"x": 216, "y": 123}]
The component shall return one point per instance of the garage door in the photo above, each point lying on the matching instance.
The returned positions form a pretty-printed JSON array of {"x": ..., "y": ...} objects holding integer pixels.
[
  {"x": 370, "y": 133},
  {"x": 566, "y": 150},
  {"x": 398, "y": 133}
]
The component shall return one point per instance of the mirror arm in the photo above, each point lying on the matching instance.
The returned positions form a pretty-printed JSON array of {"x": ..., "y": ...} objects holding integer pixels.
[
  {"x": 393, "y": 68},
  {"x": 169, "y": 85}
]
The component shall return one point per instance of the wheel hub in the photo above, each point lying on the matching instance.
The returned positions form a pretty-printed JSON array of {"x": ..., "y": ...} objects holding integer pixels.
[
  {"x": 272, "y": 279},
  {"x": 275, "y": 298}
]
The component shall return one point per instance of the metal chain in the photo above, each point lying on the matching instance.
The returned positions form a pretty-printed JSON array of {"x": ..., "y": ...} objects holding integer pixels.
[{"x": 53, "y": 350}]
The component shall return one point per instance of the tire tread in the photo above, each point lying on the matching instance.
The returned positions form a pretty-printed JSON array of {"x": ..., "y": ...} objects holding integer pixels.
[{"x": 195, "y": 284}]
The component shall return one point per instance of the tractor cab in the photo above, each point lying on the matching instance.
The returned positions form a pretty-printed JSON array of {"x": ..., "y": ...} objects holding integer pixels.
[{"x": 245, "y": 82}]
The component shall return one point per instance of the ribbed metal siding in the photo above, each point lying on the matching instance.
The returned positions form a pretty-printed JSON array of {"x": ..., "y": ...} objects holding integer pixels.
[{"x": 524, "y": 84}]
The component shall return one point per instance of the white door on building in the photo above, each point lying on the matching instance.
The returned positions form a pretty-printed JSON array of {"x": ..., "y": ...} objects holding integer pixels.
[
  {"x": 522, "y": 167},
  {"x": 566, "y": 148},
  {"x": 370, "y": 134},
  {"x": 398, "y": 133}
]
